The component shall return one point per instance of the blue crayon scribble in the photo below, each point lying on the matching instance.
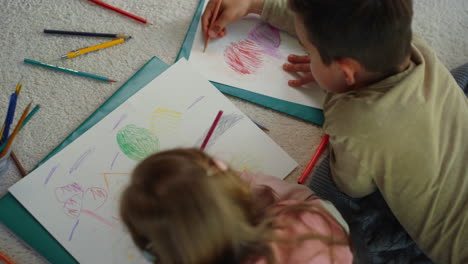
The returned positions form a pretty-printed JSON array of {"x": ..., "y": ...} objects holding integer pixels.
[
  {"x": 115, "y": 158},
  {"x": 81, "y": 159},
  {"x": 73, "y": 230},
  {"x": 52, "y": 171},
  {"x": 196, "y": 101},
  {"x": 122, "y": 118}
]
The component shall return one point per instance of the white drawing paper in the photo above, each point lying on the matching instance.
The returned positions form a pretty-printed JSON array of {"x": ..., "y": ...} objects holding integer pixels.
[
  {"x": 75, "y": 194},
  {"x": 251, "y": 57}
]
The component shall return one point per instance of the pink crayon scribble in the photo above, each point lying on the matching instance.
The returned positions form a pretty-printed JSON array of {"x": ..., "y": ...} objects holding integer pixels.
[
  {"x": 76, "y": 201},
  {"x": 244, "y": 57},
  {"x": 98, "y": 217},
  {"x": 268, "y": 38},
  {"x": 64, "y": 193}
]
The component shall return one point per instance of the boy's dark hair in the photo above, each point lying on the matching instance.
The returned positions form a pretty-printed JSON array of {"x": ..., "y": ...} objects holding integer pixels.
[{"x": 377, "y": 33}]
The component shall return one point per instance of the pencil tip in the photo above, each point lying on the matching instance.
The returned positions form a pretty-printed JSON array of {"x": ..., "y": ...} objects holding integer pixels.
[
  {"x": 149, "y": 23},
  {"x": 112, "y": 80}
]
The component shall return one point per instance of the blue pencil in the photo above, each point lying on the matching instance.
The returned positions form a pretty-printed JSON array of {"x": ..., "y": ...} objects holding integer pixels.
[
  {"x": 10, "y": 116},
  {"x": 58, "y": 68}
]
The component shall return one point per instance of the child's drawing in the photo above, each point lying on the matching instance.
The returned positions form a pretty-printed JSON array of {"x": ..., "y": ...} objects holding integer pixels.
[
  {"x": 137, "y": 143},
  {"x": 81, "y": 210},
  {"x": 196, "y": 102},
  {"x": 245, "y": 56},
  {"x": 77, "y": 201},
  {"x": 251, "y": 58},
  {"x": 81, "y": 159},
  {"x": 121, "y": 119},
  {"x": 165, "y": 122},
  {"x": 114, "y": 160},
  {"x": 51, "y": 173},
  {"x": 225, "y": 123}
]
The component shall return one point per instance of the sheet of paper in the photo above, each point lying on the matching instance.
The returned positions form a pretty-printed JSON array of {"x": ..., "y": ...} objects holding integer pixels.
[
  {"x": 251, "y": 57},
  {"x": 75, "y": 194}
]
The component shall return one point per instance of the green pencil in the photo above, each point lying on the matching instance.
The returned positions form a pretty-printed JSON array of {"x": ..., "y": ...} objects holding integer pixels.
[{"x": 58, "y": 68}]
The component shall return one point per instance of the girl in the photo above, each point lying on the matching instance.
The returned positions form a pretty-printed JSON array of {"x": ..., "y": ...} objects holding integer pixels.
[{"x": 182, "y": 206}]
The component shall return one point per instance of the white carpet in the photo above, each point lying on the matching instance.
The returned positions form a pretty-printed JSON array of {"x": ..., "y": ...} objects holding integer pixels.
[{"x": 68, "y": 100}]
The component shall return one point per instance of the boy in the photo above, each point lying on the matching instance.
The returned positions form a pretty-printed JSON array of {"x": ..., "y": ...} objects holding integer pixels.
[{"x": 397, "y": 120}]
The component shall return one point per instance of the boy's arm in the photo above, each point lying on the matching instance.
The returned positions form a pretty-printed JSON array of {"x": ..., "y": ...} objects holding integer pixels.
[
  {"x": 277, "y": 13},
  {"x": 281, "y": 189}
]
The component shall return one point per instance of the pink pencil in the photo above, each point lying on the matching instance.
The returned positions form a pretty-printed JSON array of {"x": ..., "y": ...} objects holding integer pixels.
[
  {"x": 118, "y": 10},
  {"x": 314, "y": 159},
  {"x": 210, "y": 132}
]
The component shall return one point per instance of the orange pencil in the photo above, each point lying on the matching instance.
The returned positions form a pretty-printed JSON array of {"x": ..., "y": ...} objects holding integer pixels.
[
  {"x": 213, "y": 19},
  {"x": 314, "y": 159}
]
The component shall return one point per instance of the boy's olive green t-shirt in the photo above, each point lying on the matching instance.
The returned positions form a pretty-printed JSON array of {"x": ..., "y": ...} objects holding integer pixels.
[{"x": 407, "y": 136}]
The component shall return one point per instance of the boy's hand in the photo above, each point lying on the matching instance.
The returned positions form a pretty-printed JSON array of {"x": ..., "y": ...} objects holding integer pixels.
[
  {"x": 299, "y": 64},
  {"x": 230, "y": 11}
]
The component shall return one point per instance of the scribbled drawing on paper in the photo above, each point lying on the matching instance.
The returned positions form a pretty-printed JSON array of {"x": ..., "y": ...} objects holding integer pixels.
[
  {"x": 137, "y": 143},
  {"x": 81, "y": 159},
  {"x": 77, "y": 201},
  {"x": 246, "y": 56},
  {"x": 121, "y": 119},
  {"x": 51, "y": 173},
  {"x": 114, "y": 160},
  {"x": 246, "y": 162},
  {"x": 165, "y": 123},
  {"x": 268, "y": 38},
  {"x": 226, "y": 122},
  {"x": 115, "y": 183},
  {"x": 196, "y": 102}
]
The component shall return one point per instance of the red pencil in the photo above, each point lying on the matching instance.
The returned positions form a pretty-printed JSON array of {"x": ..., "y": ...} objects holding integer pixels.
[
  {"x": 314, "y": 159},
  {"x": 212, "y": 128},
  {"x": 213, "y": 19},
  {"x": 118, "y": 10}
]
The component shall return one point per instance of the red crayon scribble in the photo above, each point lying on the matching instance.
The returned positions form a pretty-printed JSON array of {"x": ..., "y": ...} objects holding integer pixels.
[{"x": 244, "y": 57}]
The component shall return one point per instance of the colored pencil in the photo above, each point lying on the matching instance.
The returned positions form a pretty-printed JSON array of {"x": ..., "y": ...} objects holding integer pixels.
[
  {"x": 30, "y": 115},
  {"x": 86, "y": 34},
  {"x": 18, "y": 164},
  {"x": 213, "y": 19},
  {"x": 262, "y": 127},
  {"x": 15, "y": 132},
  {"x": 58, "y": 68},
  {"x": 10, "y": 116},
  {"x": 314, "y": 159},
  {"x": 212, "y": 128},
  {"x": 120, "y": 11},
  {"x": 6, "y": 259},
  {"x": 82, "y": 51}
]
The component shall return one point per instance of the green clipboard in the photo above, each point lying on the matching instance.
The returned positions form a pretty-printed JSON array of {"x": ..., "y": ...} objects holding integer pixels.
[
  {"x": 14, "y": 216},
  {"x": 306, "y": 113}
]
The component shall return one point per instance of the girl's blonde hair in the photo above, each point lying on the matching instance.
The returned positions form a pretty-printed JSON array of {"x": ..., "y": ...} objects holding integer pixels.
[{"x": 181, "y": 208}]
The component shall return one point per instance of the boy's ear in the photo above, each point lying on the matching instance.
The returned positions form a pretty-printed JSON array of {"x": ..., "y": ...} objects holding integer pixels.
[{"x": 350, "y": 68}]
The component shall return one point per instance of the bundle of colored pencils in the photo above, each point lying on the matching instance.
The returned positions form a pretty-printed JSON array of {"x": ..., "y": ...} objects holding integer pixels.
[{"x": 7, "y": 139}]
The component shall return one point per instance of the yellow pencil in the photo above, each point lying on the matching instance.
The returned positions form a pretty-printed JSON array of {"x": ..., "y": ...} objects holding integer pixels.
[{"x": 79, "y": 52}]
